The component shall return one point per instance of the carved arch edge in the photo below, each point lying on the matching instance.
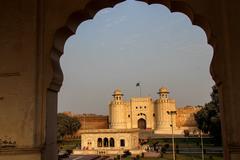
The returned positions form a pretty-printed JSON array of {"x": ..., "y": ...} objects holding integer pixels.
[{"x": 90, "y": 10}]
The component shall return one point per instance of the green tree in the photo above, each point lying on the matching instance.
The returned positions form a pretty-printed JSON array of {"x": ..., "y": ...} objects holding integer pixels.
[
  {"x": 66, "y": 125},
  {"x": 208, "y": 118}
]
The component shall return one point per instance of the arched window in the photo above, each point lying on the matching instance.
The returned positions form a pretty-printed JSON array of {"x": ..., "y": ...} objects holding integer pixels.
[
  {"x": 122, "y": 143},
  {"x": 99, "y": 142},
  {"x": 105, "y": 142},
  {"x": 111, "y": 142}
]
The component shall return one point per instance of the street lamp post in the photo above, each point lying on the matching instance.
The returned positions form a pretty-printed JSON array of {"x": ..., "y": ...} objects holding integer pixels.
[
  {"x": 171, "y": 113},
  {"x": 202, "y": 145}
]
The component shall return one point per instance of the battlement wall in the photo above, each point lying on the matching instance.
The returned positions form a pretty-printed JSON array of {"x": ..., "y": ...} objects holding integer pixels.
[{"x": 185, "y": 116}]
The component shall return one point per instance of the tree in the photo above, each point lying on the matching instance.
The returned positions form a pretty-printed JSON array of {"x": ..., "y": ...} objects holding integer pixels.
[
  {"x": 208, "y": 118},
  {"x": 66, "y": 125}
]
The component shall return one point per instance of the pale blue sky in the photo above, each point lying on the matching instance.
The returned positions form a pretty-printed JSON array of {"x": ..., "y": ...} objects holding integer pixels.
[{"x": 129, "y": 43}]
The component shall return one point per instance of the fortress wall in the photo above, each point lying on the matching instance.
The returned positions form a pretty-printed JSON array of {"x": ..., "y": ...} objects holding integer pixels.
[
  {"x": 185, "y": 116},
  {"x": 94, "y": 122},
  {"x": 91, "y": 121}
]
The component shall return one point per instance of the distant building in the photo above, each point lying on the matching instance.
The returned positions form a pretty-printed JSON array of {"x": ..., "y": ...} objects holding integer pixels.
[
  {"x": 142, "y": 112},
  {"x": 127, "y": 118},
  {"x": 109, "y": 141}
]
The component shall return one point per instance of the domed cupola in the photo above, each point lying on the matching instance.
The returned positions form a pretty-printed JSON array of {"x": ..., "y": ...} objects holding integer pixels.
[
  {"x": 117, "y": 95},
  {"x": 163, "y": 93}
]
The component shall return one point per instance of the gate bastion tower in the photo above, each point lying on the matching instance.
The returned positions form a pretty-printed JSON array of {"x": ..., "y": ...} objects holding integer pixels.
[
  {"x": 117, "y": 111},
  {"x": 142, "y": 112},
  {"x": 163, "y": 105}
]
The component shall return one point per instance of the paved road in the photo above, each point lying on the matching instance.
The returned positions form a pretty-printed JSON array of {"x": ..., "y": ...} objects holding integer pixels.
[
  {"x": 77, "y": 158},
  {"x": 90, "y": 157}
]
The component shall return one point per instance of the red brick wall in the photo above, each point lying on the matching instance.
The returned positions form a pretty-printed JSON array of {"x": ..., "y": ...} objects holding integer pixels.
[
  {"x": 93, "y": 122},
  {"x": 185, "y": 116}
]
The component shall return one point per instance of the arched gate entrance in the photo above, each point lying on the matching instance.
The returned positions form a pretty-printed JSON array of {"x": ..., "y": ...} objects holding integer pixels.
[{"x": 142, "y": 123}]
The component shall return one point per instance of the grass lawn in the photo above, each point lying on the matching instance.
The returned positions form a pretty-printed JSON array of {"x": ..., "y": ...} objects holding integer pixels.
[
  {"x": 69, "y": 145},
  {"x": 185, "y": 157},
  {"x": 184, "y": 142}
]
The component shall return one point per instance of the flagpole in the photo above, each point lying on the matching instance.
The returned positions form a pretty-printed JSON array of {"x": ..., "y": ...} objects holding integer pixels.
[
  {"x": 140, "y": 91},
  {"x": 139, "y": 85}
]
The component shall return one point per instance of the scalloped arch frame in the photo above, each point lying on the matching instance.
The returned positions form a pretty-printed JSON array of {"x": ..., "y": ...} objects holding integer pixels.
[{"x": 91, "y": 9}]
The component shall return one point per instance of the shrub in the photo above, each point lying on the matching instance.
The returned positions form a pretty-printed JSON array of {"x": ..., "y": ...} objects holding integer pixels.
[
  {"x": 177, "y": 149},
  {"x": 137, "y": 157}
]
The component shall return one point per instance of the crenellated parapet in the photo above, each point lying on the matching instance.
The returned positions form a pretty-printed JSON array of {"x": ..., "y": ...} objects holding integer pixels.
[
  {"x": 141, "y": 99},
  {"x": 172, "y": 101}
]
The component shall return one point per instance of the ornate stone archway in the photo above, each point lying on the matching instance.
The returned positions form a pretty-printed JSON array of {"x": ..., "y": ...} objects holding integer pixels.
[{"x": 89, "y": 11}]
